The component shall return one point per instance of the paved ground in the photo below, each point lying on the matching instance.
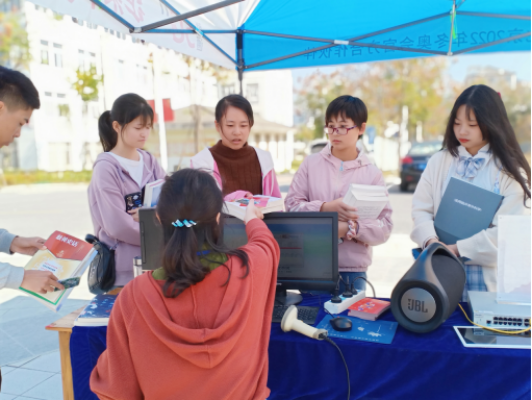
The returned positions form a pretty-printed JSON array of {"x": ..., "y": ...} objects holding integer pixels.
[{"x": 29, "y": 355}]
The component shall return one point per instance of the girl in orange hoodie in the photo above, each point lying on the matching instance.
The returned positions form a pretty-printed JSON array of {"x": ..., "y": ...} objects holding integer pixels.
[{"x": 199, "y": 326}]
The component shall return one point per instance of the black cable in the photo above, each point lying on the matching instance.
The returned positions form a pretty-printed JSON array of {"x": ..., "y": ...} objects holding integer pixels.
[
  {"x": 368, "y": 282},
  {"x": 327, "y": 339}
]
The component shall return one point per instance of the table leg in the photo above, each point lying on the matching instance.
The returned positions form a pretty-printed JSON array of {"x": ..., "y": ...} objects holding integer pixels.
[{"x": 66, "y": 365}]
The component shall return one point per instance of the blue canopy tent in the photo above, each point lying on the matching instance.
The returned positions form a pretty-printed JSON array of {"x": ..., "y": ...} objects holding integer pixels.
[{"x": 271, "y": 34}]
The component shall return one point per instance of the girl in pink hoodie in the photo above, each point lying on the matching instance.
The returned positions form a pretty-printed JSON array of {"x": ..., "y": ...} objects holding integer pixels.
[
  {"x": 122, "y": 169},
  {"x": 237, "y": 167},
  {"x": 324, "y": 178}
]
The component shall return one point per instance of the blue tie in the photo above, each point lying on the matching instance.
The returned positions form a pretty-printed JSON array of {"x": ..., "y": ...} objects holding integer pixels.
[{"x": 468, "y": 166}]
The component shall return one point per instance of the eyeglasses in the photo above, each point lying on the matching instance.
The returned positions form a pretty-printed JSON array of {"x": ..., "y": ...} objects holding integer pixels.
[{"x": 329, "y": 130}]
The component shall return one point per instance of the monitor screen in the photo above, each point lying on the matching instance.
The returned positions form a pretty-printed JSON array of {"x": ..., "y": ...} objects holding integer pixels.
[{"x": 305, "y": 240}]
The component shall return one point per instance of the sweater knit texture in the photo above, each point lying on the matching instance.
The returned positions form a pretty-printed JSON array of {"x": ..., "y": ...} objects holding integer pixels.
[
  {"x": 210, "y": 342},
  {"x": 240, "y": 169}
]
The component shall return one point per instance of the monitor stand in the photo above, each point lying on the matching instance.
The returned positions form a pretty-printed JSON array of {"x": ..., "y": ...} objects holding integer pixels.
[{"x": 284, "y": 298}]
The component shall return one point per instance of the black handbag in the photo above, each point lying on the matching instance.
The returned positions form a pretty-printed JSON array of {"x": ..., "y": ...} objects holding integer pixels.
[{"x": 102, "y": 272}]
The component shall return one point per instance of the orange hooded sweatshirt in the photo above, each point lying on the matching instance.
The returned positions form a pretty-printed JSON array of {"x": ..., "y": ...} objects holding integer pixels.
[{"x": 210, "y": 342}]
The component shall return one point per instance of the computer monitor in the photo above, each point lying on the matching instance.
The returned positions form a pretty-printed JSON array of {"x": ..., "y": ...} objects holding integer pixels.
[
  {"x": 308, "y": 243},
  {"x": 309, "y": 250}
]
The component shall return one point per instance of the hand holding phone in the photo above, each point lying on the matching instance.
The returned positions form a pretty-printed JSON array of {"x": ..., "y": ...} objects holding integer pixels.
[{"x": 69, "y": 283}]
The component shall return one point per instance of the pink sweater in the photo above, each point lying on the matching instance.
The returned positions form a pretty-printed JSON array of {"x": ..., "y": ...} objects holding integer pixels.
[{"x": 321, "y": 178}]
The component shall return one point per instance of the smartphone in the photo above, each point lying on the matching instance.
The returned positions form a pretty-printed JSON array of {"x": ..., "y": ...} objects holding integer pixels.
[
  {"x": 133, "y": 200},
  {"x": 69, "y": 283}
]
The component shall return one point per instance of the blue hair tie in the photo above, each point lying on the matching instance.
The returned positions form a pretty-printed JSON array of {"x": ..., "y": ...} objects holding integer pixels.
[{"x": 185, "y": 223}]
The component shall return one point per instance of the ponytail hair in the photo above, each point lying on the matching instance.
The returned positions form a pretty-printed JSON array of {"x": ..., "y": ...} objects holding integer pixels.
[
  {"x": 125, "y": 109},
  {"x": 192, "y": 195}
]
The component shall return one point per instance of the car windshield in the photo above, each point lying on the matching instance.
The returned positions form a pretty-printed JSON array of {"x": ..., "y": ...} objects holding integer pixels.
[
  {"x": 424, "y": 149},
  {"x": 317, "y": 148}
]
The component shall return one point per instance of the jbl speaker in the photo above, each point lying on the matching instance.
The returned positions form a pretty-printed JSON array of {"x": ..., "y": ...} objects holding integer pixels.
[{"x": 430, "y": 290}]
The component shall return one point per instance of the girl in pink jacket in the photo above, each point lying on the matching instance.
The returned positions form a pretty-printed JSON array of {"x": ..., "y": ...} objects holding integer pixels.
[
  {"x": 123, "y": 169},
  {"x": 324, "y": 178},
  {"x": 237, "y": 167}
]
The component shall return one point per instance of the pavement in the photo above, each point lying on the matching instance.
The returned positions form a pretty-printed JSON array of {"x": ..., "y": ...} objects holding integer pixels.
[{"x": 29, "y": 355}]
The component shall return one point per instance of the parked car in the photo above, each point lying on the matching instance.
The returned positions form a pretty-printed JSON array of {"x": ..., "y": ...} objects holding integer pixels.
[
  {"x": 317, "y": 145},
  {"x": 415, "y": 162}
]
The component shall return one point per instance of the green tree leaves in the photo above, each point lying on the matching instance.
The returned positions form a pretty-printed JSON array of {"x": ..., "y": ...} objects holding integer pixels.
[{"x": 14, "y": 45}]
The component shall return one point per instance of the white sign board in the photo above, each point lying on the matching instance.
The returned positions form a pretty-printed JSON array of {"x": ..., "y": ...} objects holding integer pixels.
[{"x": 513, "y": 281}]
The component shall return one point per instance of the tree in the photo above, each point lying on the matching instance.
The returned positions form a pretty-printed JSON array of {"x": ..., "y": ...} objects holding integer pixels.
[
  {"x": 198, "y": 70},
  {"x": 385, "y": 87},
  {"x": 515, "y": 95},
  {"x": 14, "y": 45},
  {"x": 86, "y": 83}
]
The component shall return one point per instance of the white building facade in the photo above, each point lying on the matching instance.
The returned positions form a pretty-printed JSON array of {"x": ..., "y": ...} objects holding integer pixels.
[{"x": 63, "y": 133}]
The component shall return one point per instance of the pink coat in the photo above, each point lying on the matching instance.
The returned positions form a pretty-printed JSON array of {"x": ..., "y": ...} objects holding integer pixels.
[
  {"x": 321, "y": 178},
  {"x": 112, "y": 224},
  {"x": 270, "y": 187}
]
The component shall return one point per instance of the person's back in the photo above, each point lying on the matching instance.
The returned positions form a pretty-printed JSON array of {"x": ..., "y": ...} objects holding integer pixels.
[{"x": 205, "y": 337}]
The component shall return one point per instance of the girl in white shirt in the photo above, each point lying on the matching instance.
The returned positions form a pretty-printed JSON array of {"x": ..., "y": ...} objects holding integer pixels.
[
  {"x": 120, "y": 173},
  {"x": 481, "y": 148}
]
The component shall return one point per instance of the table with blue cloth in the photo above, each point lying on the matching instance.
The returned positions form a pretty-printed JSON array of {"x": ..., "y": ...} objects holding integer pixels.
[{"x": 428, "y": 366}]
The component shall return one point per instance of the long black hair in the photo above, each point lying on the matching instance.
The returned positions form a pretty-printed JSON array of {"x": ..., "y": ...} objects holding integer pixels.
[
  {"x": 125, "y": 109},
  {"x": 192, "y": 195},
  {"x": 496, "y": 129},
  {"x": 233, "y": 100}
]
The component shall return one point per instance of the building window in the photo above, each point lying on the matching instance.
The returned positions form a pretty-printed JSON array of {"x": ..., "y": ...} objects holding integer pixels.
[
  {"x": 64, "y": 110},
  {"x": 252, "y": 92},
  {"x": 58, "y": 57},
  {"x": 227, "y": 90},
  {"x": 61, "y": 95},
  {"x": 48, "y": 94},
  {"x": 58, "y": 60},
  {"x": 81, "y": 60},
  {"x": 44, "y": 53},
  {"x": 44, "y": 57}
]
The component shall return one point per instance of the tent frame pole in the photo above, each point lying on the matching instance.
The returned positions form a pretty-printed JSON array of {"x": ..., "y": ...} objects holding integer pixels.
[
  {"x": 488, "y": 15},
  {"x": 172, "y": 8},
  {"x": 376, "y": 33},
  {"x": 184, "y": 16},
  {"x": 112, "y": 13},
  {"x": 484, "y": 45},
  {"x": 453, "y": 16},
  {"x": 190, "y": 31},
  {"x": 240, "y": 58}
]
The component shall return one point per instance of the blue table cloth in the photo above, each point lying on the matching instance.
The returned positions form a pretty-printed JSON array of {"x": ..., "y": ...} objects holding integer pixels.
[{"x": 429, "y": 366}]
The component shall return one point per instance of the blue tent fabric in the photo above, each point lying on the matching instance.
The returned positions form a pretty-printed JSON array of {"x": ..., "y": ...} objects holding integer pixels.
[
  {"x": 273, "y": 34},
  {"x": 426, "y": 30}
]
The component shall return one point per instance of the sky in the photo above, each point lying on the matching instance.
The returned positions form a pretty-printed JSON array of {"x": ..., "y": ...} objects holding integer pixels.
[{"x": 518, "y": 62}]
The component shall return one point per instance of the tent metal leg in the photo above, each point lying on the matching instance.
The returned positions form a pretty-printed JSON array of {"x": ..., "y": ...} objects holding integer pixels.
[
  {"x": 240, "y": 58},
  {"x": 240, "y": 77}
]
